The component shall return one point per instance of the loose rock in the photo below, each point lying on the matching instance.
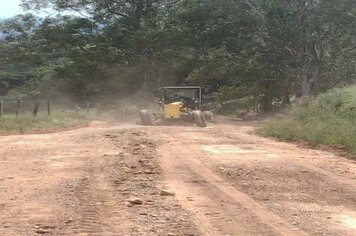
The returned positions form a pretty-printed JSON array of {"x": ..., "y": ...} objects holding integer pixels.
[
  {"x": 167, "y": 193},
  {"x": 135, "y": 201}
]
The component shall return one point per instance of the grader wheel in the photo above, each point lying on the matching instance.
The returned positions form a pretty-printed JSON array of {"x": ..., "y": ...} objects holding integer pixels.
[
  {"x": 199, "y": 119},
  {"x": 209, "y": 115},
  {"x": 145, "y": 117}
]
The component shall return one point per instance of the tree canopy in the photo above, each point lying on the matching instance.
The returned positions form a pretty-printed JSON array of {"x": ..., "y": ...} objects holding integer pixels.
[{"x": 264, "y": 50}]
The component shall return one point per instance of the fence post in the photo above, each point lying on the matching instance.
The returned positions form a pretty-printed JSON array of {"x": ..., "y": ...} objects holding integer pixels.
[
  {"x": 125, "y": 113},
  {"x": 88, "y": 108},
  {"x": 49, "y": 107},
  {"x": 77, "y": 108},
  {"x": 35, "y": 109},
  {"x": 1, "y": 107},
  {"x": 18, "y": 108}
]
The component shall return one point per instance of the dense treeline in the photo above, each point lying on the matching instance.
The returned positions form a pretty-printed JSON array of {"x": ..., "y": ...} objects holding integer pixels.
[{"x": 262, "y": 51}]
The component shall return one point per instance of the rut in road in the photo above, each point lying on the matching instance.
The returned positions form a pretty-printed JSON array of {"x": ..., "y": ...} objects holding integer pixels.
[
  {"x": 80, "y": 182},
  {"x": 227, "y": 182},
  {"x": 220, "y": 208},
  {"x": 237, "y": 183},
  {"x": 100, "y": 209}
]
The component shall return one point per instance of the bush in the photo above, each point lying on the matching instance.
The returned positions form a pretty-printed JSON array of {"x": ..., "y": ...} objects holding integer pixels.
[
  {"x": 330, "y": 119},
  {"x": 10, "y": 124}
]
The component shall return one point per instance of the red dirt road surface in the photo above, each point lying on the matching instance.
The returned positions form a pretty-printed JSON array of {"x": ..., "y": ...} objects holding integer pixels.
[{"x": 172, "y": 180}]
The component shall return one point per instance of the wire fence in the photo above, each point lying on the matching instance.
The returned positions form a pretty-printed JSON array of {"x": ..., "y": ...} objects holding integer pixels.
[{"x": 48, "y": 107}]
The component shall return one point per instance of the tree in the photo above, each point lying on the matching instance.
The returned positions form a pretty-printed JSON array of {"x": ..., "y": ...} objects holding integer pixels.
[{"x": 268, "y": 50}]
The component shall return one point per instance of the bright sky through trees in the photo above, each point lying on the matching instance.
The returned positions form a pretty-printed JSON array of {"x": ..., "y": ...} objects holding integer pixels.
[{"x": 9, "y": 8}]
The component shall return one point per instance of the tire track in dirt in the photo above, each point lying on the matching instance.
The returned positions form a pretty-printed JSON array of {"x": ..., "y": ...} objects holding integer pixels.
[
  {"x": 241, "y": 215},
  {"x": 296, "y": 184},
  {"x": 99, "y": 208},
  {"x": 58, "y": 186},
  {"x": 141, "y": 179},
  {"x": 81, "y": 182},
  {"x": 314, "y": 160}
]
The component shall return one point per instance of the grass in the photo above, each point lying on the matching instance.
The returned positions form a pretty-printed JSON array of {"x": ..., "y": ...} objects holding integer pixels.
[
  {"x": 330, "y": 119},
  {"x": 26, "y": 123}
]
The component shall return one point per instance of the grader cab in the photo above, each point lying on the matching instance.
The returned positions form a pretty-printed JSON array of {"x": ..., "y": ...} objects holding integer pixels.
[{"x": 178, "y": 103}]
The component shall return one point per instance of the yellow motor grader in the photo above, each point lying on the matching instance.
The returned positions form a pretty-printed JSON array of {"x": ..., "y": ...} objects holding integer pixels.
[{"x": 178, "y": 103}]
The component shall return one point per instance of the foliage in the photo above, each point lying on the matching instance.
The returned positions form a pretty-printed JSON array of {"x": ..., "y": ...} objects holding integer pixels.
[
  {"x": 330, "y": 119},
  {"x": 268, "y": 50}
]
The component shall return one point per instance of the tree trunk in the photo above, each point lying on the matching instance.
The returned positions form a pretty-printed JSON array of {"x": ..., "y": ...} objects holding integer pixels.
[
  {"x": 309, "y": 76},
  {"x": 286, "y": 86},
  {"x": 266, "y": 103}
]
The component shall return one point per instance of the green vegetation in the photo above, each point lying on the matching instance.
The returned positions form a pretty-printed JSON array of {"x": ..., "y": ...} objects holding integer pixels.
[
  {"x": 253, "y": 55},
  {"x": 26, "y": 123},
  {"x": 261, "y": 51},
  {"x": 330, "y": 119}
]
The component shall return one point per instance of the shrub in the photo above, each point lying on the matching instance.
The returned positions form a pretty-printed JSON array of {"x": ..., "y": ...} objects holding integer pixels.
[{"x": 330, "y": 119}]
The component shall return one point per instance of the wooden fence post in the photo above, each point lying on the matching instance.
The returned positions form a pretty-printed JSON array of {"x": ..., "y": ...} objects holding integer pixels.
[
  {"x": 49, "y": 107},
  {"x": 77, "y": 108},
  {"x": 18, "y": 108},
  {"x": 35, "y": 109},
  {"x": 1, "y": 107},
  {"x": 88, "y": 108}
]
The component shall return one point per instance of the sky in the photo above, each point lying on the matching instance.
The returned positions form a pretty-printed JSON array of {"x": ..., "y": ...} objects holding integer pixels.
[{"x": 9, "y": 8}]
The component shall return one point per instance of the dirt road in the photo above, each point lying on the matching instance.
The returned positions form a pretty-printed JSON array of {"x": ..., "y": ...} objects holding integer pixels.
[{"x": 172, "y": 180}]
